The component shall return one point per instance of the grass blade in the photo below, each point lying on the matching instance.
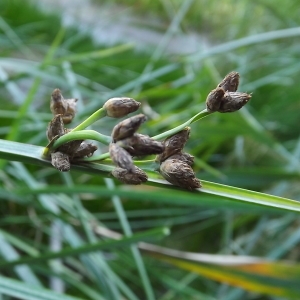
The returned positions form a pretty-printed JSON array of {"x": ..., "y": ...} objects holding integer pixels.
[
  {"x": 151, "y": 234},
  {"x": 23, "y": 291},
  {"x": 211, "y": 194},
  {"x": 280, "y": 279},
  {"x": 75, "y": 58}
]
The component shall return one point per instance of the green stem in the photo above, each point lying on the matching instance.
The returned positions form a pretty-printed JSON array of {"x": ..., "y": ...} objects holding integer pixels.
[
  {"x": 78, "y": 134},
  {"x": 82, "y": 135},
  {"x": 145, "y": 164},
  {"x": 163, "y": 135},
  {"x": 97, "y": 115},
  {"x": 172, "y": 131},
  {"x": 97, "y": 157}
]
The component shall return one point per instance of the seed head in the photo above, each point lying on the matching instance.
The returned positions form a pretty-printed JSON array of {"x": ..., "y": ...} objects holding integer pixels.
[
  {"x": 179, "y": 173},
  {"x": 120, "y": 107},
  {"x": 127, "y": 127},
  {"x": 233, "y": 101},
  {"x": 121, "y": 157},
  {"x": 139, "y": 145},
  {"x": 137, "y": 176},
  {"x": 231, "y": 82},
  {"x": 214, "y": 99},
  {"x": 174, "y": 144}
]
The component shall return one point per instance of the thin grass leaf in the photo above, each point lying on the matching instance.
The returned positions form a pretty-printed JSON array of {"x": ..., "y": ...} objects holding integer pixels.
[
  {"x": 96, "y": 264},
  {"x": 23, "y": 291},
  {"x": 134, "y": 250},
  {"x": 249, "y": 40},
  {"x": 150, "y": 234},
  {"x": 24, "y": 272},
  {"x": 77, "y": 58}
]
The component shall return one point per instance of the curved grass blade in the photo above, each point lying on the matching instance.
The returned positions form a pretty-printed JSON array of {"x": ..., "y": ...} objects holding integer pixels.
[{"x": 210, "y": 195}]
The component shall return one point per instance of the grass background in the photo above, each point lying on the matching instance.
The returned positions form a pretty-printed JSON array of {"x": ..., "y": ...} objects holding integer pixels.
[{"x": 256, "y": 148}]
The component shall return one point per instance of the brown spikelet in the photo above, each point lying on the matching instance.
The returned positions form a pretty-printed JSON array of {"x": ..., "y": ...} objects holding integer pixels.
[
  {"x": 136, "y": 176},
  {"x": 70, "y": 111},
  {"x": 214, "y": 99},
  {"x": 120, "y": 107},
  {"x": 231, "y": 82},
  {"x": 64, "y": 107},
  {"x": 233, "y": 101},
  {"x": 179, "y": 173},
  {"x": 55, "y": 127},
  {"x": 174, "y": 144},
  {"x": 57, "y": 103},
  {"x": 127, "y": 127},
  {"x": 121, "y": 157},
  {"x": 60, "y": 161},
  {"x": 84, "y": 150},
  {"x": 184, "y": 157},
  {"x": 139, "y": 145}
]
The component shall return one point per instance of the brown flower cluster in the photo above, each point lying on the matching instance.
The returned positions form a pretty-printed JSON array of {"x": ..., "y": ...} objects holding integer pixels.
[
  {"x": 127, "y": 143},
  {"x": 64, "y": 111},
  {"x": 176, "y": 165},
  {"x": 225, "y": 98}
]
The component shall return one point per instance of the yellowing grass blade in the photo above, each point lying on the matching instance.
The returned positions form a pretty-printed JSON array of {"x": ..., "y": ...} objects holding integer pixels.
[{"x": 250, "y": 273}]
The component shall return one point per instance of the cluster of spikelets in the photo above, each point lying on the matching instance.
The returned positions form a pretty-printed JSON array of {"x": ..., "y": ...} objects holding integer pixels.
[
  {"x": 64, "y": 111},
  {"x": 225, "y": 98},
  {"x": 126, "y": 143}
]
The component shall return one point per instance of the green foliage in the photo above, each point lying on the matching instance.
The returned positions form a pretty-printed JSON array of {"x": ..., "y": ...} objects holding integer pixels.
[{"x": 44, "y": 211}]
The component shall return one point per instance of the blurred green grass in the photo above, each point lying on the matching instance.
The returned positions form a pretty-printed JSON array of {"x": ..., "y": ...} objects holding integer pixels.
[{"x": 257, "y": 148}]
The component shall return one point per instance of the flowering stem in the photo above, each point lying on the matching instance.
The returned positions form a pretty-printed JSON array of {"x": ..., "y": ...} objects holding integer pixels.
[
  {"x": 82, "y": 135},
  {"x": 97, "y": 115},
  {"x": 163, "y": 135},
  {"x": 172, "y": 131}
]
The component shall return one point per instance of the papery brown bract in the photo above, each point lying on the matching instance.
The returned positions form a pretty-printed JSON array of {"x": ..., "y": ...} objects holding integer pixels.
[
  {"x": 120, "y": 157},
  {"x": 120, "y": 107},
  {"x": 55, "y": 127},
  {"x": 127, "y": 127},
  {"x": 136, "y": 176}
]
